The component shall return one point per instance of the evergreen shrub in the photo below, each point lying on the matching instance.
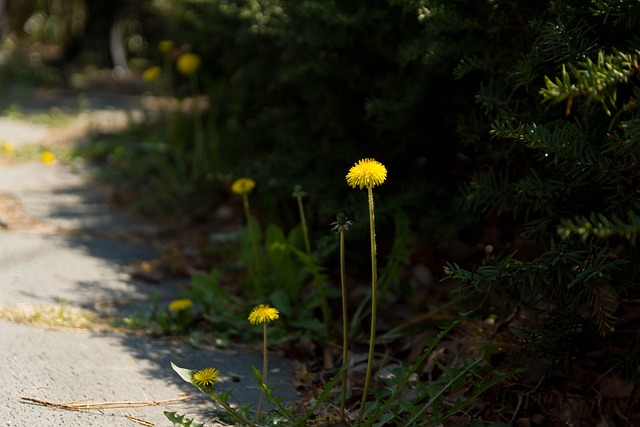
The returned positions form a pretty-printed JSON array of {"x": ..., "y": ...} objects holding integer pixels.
[{"x": 561, "y": 162}]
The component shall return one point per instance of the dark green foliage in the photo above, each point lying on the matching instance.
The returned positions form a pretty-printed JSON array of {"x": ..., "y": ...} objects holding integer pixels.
[
  {"x": 308, "y": 88},
  {"x": 152, "y": 165},
  {"x": 563, "y": 163},
  {"x": 602, "y": 226}
]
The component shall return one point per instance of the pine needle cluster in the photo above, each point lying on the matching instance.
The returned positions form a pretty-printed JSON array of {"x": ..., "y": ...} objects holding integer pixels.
[{"x": 561, "y": 160}]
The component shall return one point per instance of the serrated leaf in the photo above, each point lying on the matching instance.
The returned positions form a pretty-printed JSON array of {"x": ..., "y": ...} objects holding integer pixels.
[
  {"x": 385, "y": 419},
  {"x": 448, "y": 371},
  {"x": 224, "y": 396},
  {"x": 181, "y": 420}
]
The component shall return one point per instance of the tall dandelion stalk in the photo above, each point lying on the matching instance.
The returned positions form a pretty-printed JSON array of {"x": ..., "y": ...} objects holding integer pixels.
[
  {"x": 263, "y": 314},
  {"x": 341, "y": 225},
  {"x": 322, "y": 292},
  {"x": 188, "y": 65},
  {"x": 242, "y": 187},
  {"x": 166, "y": 48},
  {"x": 369, "y": 173},
  {"x": 299, "y": 194}
]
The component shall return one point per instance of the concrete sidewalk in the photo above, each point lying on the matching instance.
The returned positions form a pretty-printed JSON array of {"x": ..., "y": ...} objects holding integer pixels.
[{"x": 66, "y": 252}]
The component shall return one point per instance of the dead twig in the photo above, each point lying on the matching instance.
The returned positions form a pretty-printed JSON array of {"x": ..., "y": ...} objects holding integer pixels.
[
  {"x": 75, "y": 405},
  {"x": 139, "y": 420}
]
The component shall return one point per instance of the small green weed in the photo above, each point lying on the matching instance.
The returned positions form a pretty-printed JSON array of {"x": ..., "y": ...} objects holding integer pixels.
[
  {"x": 53, "y": 118},
  {"x": 175, "y": 318}
]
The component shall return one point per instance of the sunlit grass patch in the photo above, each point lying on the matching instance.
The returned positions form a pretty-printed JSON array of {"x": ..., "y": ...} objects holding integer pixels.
[
  {"x": 55, "y": 117},
  {"x": 62, "y": 316},
  {"x": 34, "y": 153}
]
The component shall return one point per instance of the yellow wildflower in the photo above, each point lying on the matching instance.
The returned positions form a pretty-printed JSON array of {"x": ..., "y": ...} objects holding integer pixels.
[
  {"x": 188, "y": 64},
  {"x": 366, "y": 173},
  {"x": 205, "y": 377},
  {"x": 243, "y": 186},
  {"x": 180, "y": 304},
  {"x": 151, "y": 73},
  {"x": 165, "y": 46},
  {"x": 47, "y": 157},
  {"x": 6, "y": 148},
  {"x": 263, "y": 314}
]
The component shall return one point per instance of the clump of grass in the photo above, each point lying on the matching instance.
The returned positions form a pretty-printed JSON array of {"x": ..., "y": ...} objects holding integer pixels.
[{"x": 63, "y": 316}]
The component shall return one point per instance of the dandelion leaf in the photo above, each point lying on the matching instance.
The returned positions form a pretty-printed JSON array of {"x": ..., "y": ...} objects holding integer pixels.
[
  {"x": 181, "y": 420},
  {"x": 185, "y": 374}
]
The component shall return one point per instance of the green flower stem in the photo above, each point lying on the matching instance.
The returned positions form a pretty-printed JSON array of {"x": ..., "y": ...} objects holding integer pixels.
[
  {"x": 167, "y": 66},
  {"x": 232, "y": 412},
  {"x": 345, "y": 328},
  {"x": 197, "y": 129},
  {"x": 374, "y": 279},
  {"x": 322, "y": 293},
  {"x": 254, "y": 240},
  {"x": 264, "y": 367},
  {"x": 303, "y": 221}
]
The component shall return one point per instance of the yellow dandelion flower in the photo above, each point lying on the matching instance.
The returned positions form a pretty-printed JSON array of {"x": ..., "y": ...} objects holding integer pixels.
[
  {"x": 366, "y": 173},
  {"x": 151, "y": 73},
  {"x": 243, "y": 186},
  {"x": 6, "y": 148},
  {"x": 188, "y": 64},
  {"x": 165, "y": 46},
  {"x": 263, "y": 314},
  {"x": 47, "y": 157},
  {"x": 180, "y": 304},
  {"x": 205, "y": 377}
]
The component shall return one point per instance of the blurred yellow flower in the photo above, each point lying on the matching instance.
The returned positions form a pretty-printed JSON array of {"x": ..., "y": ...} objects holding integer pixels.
[
  {"x": 6, "y": 148},
  {"x": 263, "y": 314},
  {"x": 188, "y": 64},
  {"x": 151, "y": 73},
  {"x": 165, "y": 46},
  {"x": 243, "y": 186},
  {"x": 205, "y": 377},
  {"x": 180, "y": 304},
  {"x": 47, "y": 157},
  {"x": 366, "y": 173}
]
